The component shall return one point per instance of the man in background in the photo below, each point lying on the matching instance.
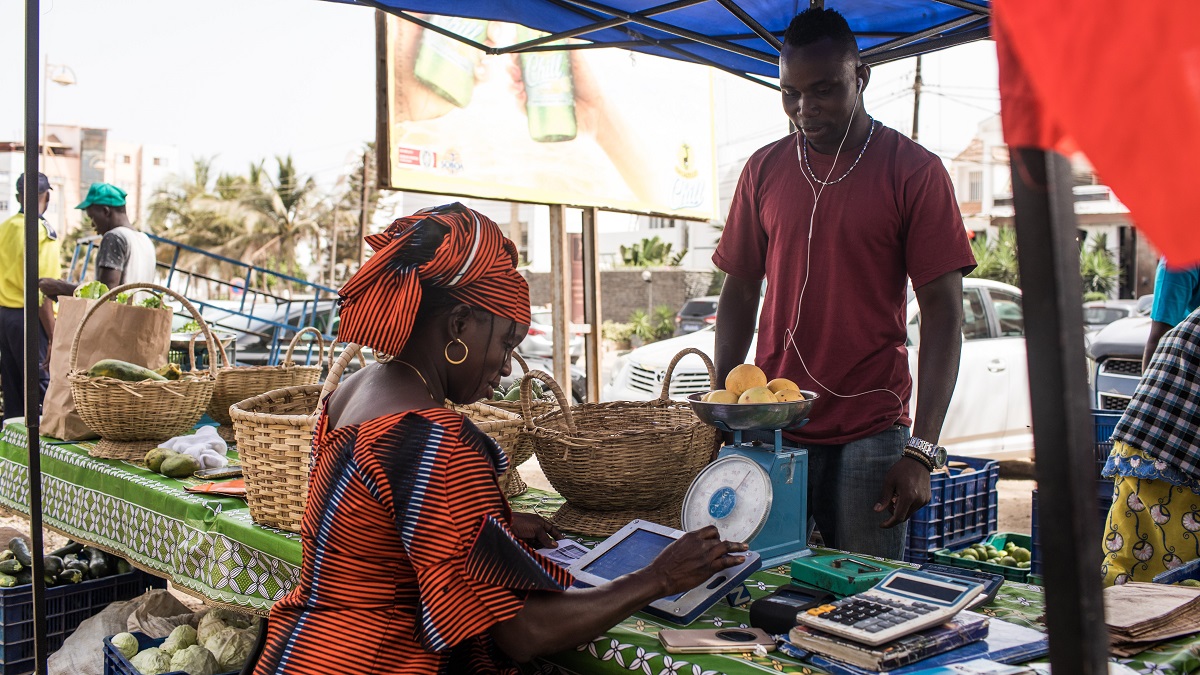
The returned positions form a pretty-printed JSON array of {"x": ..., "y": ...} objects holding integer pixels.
[
  {"x": 12, "y": 298},
  {"x": 1176, "y": 294},
  {"x": 126, "y": 255}
]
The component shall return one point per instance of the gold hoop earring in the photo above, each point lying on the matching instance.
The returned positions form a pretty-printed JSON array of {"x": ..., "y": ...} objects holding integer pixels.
[
  {"x": 446, "y": 352},
  {"x": 380, "y": 357}
]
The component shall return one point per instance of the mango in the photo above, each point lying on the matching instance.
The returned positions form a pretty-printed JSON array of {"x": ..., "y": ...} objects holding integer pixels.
[
  {"x": 744, "y": 378},
  {"x": 179, "y": 466},
  {"x": 788, "y": 395},
  {"x": 155, "y": 458},
  {"x": 722, "y": 396},
  {"x": 757, "y": 395},
  {"x": 782, "y": 384}
]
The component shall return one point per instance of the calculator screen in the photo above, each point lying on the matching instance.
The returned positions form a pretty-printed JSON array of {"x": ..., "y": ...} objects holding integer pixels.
[{"x": 906, "y": 584}]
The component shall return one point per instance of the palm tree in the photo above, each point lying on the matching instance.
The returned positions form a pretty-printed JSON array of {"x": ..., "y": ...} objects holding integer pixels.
[
  {"x": 185, "y": 210},
  {"x": 285, "y": 209}
]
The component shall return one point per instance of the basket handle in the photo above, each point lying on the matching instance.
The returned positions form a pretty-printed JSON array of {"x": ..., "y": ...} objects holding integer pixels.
[
  {"x": 287, "y": 358},
  {"x": 215, "y": 361},
  {"x": 362, "y": 360},
  {"x": 527, "y": 398},
  {"x": 335, "y": 374},
  {"x": 212, "y": 341},
  {"x": 666, "y": 386},
  {"x": 521, "y": 362}
]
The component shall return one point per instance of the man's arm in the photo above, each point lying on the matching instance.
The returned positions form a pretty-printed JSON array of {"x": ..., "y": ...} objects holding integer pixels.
[
  {"x": 736, "y": 312},
  {"x": 1157, "y": 330},
  {"x": 906, "y": 486},
  {"x": 46, "y": 316}
]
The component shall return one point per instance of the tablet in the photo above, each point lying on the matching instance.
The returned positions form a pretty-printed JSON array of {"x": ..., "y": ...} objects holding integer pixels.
[{"x": 637, "y": 544}]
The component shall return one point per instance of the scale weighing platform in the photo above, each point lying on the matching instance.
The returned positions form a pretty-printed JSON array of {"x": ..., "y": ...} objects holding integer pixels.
[{"x": 754, "y": 492}]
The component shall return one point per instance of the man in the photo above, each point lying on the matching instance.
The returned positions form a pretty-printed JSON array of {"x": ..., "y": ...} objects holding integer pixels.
[
  {"x": 126, "y": 255},
  {"x": 12, "y": 298},
  {"x": 836, "y": 217},
  {"x": 1155, "y": 464},
  {"x": 1176, "y": 294}
]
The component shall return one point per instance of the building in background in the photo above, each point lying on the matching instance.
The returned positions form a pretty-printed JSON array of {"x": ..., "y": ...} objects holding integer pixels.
[{"x": 76, "y": 157}]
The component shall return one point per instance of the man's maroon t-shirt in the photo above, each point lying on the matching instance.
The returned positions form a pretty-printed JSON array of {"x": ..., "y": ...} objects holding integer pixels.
[{"x": 893, "y": 217}]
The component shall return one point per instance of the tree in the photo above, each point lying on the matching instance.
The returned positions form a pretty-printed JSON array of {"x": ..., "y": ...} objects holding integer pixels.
[
  {"x": 1097, "y": 268},
  {"x": 284, "y": 210},
  {"x": 651, "y": 252},
  {"x": 996, "y": 258}
]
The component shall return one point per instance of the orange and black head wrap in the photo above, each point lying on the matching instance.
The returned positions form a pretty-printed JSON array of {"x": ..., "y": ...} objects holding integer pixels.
[{"x": 451, "y": 248}]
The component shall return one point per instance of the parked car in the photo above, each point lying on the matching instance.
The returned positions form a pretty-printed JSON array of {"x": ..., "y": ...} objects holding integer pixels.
[
  {"x": 989, "y": 414},
  {"x": 578, "y": 391},
  {"x": 1100, "y": 313},
  {"x": 1115, "y": 362},
  {"x": 696, "y": 314},
  {"x": 539, "y": 343}
]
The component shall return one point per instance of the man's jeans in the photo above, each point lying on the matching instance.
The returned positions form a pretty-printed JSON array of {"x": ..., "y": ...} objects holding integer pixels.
[{"x": 844, "y": 483}]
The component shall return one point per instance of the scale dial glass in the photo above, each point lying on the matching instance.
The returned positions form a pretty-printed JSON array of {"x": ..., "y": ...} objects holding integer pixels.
[{"x": 734, "y": 493}]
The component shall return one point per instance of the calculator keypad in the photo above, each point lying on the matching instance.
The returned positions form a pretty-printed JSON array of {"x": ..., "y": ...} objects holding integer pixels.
[{"x": 870, "y": 613}]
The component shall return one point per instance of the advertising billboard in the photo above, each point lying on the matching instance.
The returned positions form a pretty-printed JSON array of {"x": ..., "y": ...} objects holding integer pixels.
[{"x": 593, "y": 127}]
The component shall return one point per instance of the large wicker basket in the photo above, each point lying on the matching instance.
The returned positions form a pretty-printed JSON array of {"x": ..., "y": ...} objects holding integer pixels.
[
  {"x": 133, "y": 417},
  {"x": 235, "y": 384},
  {"x": 614, "y": 462},
  {"x": 274, "y": 433},
  {"x": 504, "y": 428}
]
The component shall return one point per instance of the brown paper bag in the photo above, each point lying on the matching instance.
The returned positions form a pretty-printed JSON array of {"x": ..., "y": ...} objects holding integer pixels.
[{"x": 135, "y": 334}]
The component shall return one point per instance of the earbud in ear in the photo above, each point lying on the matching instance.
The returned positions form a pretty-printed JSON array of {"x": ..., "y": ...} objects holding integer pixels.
[{"x": 860, "y": 83}]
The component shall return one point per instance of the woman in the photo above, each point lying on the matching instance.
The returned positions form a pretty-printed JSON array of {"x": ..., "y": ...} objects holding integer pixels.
[{"x": 413, "y": 562}]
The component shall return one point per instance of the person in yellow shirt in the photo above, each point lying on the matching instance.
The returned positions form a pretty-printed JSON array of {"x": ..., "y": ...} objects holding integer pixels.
[{"x": 12, "y": 299}]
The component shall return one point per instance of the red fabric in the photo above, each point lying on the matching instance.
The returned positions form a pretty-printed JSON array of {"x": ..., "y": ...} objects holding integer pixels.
[
  {"x": 894, "y": 216},
  {"x": 1121, "y": 81}
]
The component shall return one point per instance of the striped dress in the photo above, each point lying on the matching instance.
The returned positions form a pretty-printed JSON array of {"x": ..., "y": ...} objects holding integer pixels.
[{"x": 408, "y": 555}]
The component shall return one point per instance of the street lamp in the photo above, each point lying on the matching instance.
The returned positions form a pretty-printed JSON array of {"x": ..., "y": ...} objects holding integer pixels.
[{"x": 61, "y": 75}]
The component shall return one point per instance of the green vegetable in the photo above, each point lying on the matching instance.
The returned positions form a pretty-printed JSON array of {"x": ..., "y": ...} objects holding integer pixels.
[
  {"x": 181, "y": 638},
  {"x": 123, "y": 298},
  {"x": 7, "y": 581},
  {"x": 25, "y": 576},
  {"x": 123, "y": 370},
  {"x": 78, "y": 564},
  {"x": 123, "y": 566},
  {"x": 210, "y": 625},
  {"x": 153, "y": 302},
  {"x": 69, "y": 576},
  {"x": 190, "y": 327},
  {"x": 7, "y": 555},
  {"x": 97, "y": 563},
  {"x": 195, "y": 660},
  {"x": 53, "y": 565},
  {"x": 152, "y": 661},
  {"x": 10, "y": 567},
  {"x": 125, "y": 643},
  {"x": 231, "y": 647},
  {"x": 179, "y": 466},
  {"x": 20, "y": 548},
  {"x": 91, "y": 290},
  {"x": 70, "y": 548}
]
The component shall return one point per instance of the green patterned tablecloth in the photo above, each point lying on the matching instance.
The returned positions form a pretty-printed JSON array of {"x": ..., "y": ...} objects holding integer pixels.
[{"x": 211, "y": 547}]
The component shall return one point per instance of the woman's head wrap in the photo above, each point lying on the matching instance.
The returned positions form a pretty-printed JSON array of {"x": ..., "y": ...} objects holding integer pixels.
[{"x": 452, "y": 248}]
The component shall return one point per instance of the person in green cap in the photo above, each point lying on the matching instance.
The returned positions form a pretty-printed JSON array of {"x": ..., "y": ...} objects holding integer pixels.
[{"x": 126, "y": 255}]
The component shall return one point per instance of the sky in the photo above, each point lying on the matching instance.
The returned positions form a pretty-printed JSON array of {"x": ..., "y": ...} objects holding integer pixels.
[{"x": 250, "y": 79}]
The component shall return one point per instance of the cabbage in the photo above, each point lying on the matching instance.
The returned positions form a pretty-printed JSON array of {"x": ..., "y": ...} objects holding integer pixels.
[
  {"x": 210, "y": 625},
  {"x": 125, "y": 643},
  {"x": 152, "y": 661},
  {"x": 232, "y": 618},
  {"x": 181, "y": 638},
  {"x": 232, "y": 647},
  {"x": 194, "y": 660}
]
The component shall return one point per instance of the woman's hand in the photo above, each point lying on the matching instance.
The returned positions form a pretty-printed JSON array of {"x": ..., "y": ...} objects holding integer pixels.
[
  {"x": 535, "y": 530},
  {"x": 693, "y": 558}
]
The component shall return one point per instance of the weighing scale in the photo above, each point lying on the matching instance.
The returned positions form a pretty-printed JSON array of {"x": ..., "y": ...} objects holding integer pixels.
[{"x": 754, "y": 492}]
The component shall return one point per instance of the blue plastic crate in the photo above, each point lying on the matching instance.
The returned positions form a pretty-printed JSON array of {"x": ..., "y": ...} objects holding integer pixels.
[
  {"x": 115, "y": 662},
  {"x": 963, "y": 509},
  {"x": 1104, "y": 497},
  {"x": 1188, "y": 570},
  {"x": 66, "y": 607},
  {"x": 1105, "y": 422}
]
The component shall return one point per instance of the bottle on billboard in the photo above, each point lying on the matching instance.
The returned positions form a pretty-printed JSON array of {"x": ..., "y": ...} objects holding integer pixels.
[
  {"x": 549, "y": 92},
  {"x": 447, "y": 66}
]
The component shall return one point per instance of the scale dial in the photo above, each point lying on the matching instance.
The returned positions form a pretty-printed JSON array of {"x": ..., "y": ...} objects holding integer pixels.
[{"x": 734, "y": 493}]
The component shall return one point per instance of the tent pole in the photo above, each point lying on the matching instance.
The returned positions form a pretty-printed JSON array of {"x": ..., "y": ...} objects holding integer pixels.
[
  {"x": 593, "y": 353},
  {"x": 560, "y": 293},
  {"x": 1048, "y": 254},
  {"x": 33, "y": 329}
]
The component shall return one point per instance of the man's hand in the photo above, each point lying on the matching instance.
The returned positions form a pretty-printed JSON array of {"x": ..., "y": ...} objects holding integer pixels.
[
  {"x": 53, "y": 288},
  {"x": 905, "y": 491},
  {"x": 536, "y": 530}
]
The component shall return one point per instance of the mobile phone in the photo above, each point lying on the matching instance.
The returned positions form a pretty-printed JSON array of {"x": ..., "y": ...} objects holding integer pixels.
[
  {"x": 714, "y": 640},
  {"x": 219, "y": 473}
]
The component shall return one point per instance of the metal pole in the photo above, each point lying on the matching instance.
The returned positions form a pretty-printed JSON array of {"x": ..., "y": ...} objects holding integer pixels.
[
  {"x": 1062, "y": 423},
  {"x": 560, "y": 290},
  {"x": 591, "y": 304},
  {"x": 33, "y": 331},
  {"x": 917, "y": 100},
  {"x": 362, "y": 212}
]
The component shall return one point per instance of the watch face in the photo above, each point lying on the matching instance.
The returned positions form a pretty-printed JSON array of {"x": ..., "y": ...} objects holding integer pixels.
[{"x": 939, "y": 457}]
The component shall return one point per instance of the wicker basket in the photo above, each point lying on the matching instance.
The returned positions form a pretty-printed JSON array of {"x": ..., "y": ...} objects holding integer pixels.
[
  {"x": 504, "y": 428},
  {"x": 240, "y": 383},
  {"x": 274, "y": 433},
  {"x": 614, "y": 462},
  {"x": 133, "y": 417}
]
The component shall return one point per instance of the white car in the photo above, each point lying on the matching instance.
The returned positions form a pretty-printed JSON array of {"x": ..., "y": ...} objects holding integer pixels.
[{"x": 989, "y": 415}]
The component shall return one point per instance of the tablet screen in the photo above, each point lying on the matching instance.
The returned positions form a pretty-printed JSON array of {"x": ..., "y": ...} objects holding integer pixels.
[{"x": 629, "y": 555}]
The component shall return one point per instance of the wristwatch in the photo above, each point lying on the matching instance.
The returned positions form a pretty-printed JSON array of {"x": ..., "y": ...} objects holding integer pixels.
[{"x": 933, "y": 455}]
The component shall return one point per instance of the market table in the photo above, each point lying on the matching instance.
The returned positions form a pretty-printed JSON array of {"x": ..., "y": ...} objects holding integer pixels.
[{"x": 210, "y": 547}]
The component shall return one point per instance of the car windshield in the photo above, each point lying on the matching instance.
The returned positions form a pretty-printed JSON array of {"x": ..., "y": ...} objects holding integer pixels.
[
  {"x": 699, "y": 308},
  {"x": 543, "y": 318},
  {"x": 1102, "y": 316}
]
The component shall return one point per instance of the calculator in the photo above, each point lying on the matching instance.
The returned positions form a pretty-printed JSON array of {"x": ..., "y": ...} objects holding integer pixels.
[
  {"x": 991, "y": 582},
  {"x": 905, "y": 602}
]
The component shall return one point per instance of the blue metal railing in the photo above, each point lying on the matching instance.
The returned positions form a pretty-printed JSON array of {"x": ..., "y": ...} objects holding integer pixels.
[{"x": 257, "y": 315}]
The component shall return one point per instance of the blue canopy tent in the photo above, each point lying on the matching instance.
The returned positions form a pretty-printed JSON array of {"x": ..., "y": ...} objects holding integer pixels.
[{"x": 742, "y": 37}]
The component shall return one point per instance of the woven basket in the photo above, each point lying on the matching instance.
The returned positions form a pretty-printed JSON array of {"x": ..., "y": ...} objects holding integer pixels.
[
  {"x": 538, "y": 408},
  {"x": 504, "y": 428},
  {"x": 518, "y": 445},
  {"x": 133, "y": 417},
  {"x": 274, "y": 433},
  {"x": 235, "y": 384},
  {"x": 614, "y": 462}
]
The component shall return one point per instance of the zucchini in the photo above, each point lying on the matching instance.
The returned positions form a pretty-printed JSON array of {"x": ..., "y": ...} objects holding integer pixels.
[
  {"x": 7, "y": 555},
  {"x": 97, "y": 564},
  {"x": 20, "y": 548},
  {"x": 53, "y": 565},
  {"x": 71, "y": 548},
  {"x": 69, "y": 576},
  {"x": 123, "y": 566},
  {"x": 49, "y": 580},
  {"x": 25, "y": 576},
  {"x": 123, "y": 370},
  {"x": 7, "y": 581},
  {"x": 77, "y": 564},
  {"x": 10, "y": 567}
]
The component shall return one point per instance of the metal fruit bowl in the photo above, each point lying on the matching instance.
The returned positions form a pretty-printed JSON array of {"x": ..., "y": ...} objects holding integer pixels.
[{"x": 753, "y": 416}]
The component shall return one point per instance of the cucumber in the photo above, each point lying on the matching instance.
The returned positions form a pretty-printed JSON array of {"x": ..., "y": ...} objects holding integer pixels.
[
  {"x": 20, "y": 548},
  {"x": 10, "y": 567},
  {"x": 7, "y": 581},
  {"x": 71, "y": 548},
  {"x": 69, "y": 577},
  {"x": 97, "y": 563},
  {"x": 53, "y": 565},
  {"x": 123, "y": 370}
]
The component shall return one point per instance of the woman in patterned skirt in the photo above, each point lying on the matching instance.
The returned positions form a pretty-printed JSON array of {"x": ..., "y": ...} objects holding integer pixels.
[{"x": 413, "y": 562}]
